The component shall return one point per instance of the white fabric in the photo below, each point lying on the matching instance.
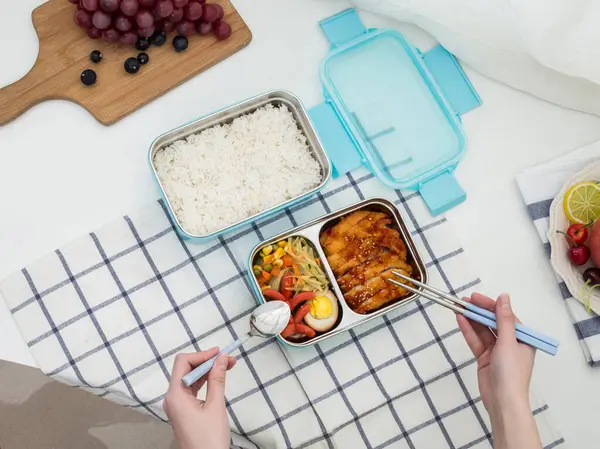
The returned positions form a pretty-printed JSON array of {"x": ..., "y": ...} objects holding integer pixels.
[
  {"x": 548, "y": 48},
  {"x": 539, "y": 186}
]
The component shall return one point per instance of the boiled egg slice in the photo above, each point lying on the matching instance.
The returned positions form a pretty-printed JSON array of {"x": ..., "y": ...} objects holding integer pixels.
[{"x": 323, "y": 312}]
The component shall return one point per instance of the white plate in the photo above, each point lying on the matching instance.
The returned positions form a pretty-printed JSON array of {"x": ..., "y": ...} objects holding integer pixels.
[{"x": 559, "y": 246}]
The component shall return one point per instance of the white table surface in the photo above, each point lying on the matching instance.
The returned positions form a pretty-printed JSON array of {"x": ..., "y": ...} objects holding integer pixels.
[{"x": 63, "y": 174}]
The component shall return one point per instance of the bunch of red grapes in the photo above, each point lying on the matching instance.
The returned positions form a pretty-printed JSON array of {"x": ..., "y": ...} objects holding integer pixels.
[{"x": 127, "y": 20}]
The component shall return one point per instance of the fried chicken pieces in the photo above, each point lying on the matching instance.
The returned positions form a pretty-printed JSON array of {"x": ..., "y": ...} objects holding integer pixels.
[{"x": 362, "y": 251}]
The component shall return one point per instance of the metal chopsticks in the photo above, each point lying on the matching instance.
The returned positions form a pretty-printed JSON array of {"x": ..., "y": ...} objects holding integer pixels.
[{"x": 476, "y": 313}]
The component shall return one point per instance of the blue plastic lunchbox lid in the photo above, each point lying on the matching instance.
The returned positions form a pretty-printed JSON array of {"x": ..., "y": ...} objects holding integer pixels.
[{"x": 393, "y": 109}]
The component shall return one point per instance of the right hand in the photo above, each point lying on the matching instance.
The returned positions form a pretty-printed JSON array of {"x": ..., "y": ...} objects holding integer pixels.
[{"x": 504, "y": 366}]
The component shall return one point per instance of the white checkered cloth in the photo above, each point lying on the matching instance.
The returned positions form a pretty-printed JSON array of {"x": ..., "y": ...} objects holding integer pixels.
[
  {"x": 539, "y": 186},
  {"x": 109, "y": 312}
]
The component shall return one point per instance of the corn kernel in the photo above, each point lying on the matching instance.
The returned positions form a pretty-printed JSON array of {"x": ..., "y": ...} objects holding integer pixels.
[
  {"x": 267, "y": 250},
  {"x": 282, "y": 244},
  {"x": 277, "y": 263},
  {"x": 268, "y": 259},
  {"x": 279, "y": 253}
]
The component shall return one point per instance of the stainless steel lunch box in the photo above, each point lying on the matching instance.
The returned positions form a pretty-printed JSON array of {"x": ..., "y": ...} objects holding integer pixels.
[
  {"x": 276, "y": 98},
  {"x": 312, "y": 230}
]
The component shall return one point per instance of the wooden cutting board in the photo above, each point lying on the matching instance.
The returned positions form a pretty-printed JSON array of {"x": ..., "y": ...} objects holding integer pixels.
[{"x": 64, "y": 53}]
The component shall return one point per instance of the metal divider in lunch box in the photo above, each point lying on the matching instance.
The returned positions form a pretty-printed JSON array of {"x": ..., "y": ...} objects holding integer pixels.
[
  {"x": 311, "y": 231},
  {"x": 226, "y": 115},
  {"x": 393, "y": 109}
]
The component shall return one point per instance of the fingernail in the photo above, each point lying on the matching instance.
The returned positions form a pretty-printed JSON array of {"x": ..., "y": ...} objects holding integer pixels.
[{"x": 505, "y": 301}]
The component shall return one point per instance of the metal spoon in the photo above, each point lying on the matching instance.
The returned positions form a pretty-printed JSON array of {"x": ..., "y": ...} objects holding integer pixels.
[{"x": 266, "y": 321}]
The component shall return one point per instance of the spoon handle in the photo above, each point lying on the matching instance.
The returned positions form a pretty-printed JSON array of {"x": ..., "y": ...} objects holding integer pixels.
[{"x": 201, "y": 370}]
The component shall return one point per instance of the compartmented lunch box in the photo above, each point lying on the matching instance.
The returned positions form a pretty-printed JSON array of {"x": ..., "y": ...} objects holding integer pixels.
[
  {"x": 311, "y": 231},
  {"x": 393, "y": 109}
]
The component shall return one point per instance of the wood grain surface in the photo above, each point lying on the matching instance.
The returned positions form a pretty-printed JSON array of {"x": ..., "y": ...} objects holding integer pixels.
[{"x": 64, "y": 53}]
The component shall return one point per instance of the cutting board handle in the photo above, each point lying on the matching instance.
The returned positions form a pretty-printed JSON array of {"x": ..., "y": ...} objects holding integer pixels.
[{"x": 18, "y": 97}]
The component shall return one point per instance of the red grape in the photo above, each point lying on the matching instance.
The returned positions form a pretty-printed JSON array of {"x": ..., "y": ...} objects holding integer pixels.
[
  {"x": 180, "y": 3},
  {"x": 83, "y": 19},
  {"x": 203, "y": 28},
  {"x": 193, "y": 11},
  {"x": 128, "y": 38},
  {"x": 144, "y": 19},
  {"x": 110, "y": 35},
  {"x": 176, "y": 16},
  {"x": 75, "y": 2},
  {"x": 129, "y": 7},
  {"x": 101, "y": 20},
  {"x": 123, "y": 23},
  {"x": 163, "y": 8},
  {"x": 146, "y": 32},
  {"x": 94, "y": 33},
  {"x": 109, "y": 5},
  {"x": 168, "y": 27},
  {"x": 222, "y": 30},
  {"x": 221, "y": 12},
  {"x": 202, "y": 2},
  {"x": 90, "y": 5},
  {"x": 211, "y": 13},
  {"x": 186, "y": 28},
  {"x": 147, "y": 3}
]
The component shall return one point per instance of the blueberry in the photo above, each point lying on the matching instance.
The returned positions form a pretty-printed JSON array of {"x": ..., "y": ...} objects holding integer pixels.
[
  {"x": 88, "y": 77},
  {"x": 158, "y": 38},
  {"x": 96, "y": 56},
  {"x": 143, "y": 44},
  {"x": 132, "y": 65},
  {"x": 143, "y": 58},
  {"x": 180, "y": 43}
]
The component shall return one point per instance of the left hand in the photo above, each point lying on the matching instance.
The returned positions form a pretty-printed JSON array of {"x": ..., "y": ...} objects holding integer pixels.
[{"x": 199, "y": 424}]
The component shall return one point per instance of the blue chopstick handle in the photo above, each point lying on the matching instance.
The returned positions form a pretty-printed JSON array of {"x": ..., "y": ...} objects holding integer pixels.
[
  {"x": 518, "y": 326},
  {"x": 523, "y": 338}
]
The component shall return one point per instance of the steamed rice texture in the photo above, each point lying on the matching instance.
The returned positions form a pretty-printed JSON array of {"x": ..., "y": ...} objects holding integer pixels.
[{"x": 230, "y": 172}]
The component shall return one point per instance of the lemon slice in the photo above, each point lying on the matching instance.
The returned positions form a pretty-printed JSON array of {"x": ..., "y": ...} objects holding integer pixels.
[{"x": 582, "y": 202}]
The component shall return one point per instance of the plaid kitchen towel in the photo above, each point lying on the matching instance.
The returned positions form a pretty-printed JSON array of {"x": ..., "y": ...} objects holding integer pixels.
[
  {"x": 109, "y": 312},
  {"x": 539, "y": 186}
]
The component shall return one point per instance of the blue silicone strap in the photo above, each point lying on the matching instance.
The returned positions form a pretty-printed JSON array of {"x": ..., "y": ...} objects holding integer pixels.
[
  {"x": 451, "y": 79},
  {"x": 342, "y": 27},
  {"x": 335, "y": 138},
  {"x": 442, "y": 192}
]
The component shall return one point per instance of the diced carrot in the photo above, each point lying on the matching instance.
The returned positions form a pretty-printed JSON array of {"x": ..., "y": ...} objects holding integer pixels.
[
  {"x": 287, "y": 260},
  {"x": 269, "y": 258},
  {"x": 296, "y": 270},
  {"x": 266, "y": 275},
  {"x": 275, "y": 271}
]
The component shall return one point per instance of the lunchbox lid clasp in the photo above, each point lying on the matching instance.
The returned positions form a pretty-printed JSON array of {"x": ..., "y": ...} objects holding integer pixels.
[
  {"x": 442, "y": 192},
  {"x": 342, "y": 27}
]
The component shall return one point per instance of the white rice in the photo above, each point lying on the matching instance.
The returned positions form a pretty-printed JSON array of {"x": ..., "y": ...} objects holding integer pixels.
[{"x": 226, "y": 173}]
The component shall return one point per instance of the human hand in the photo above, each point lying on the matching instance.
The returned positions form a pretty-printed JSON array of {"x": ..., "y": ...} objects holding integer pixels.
[
  {"x": 504, "y": 366},
  {"x": 199, "y": 424}
]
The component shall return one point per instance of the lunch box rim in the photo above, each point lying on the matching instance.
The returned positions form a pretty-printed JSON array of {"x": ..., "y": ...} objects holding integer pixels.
[
  {"x": 411, "y": 248},
  {"x": 212, "y": 119}
]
